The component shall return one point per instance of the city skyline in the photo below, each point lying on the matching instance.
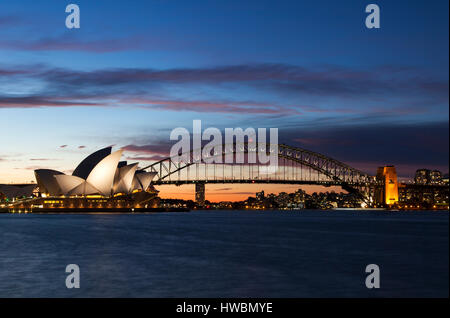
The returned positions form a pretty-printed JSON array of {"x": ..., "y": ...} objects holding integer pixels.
[{"x": 127, "y": 78}]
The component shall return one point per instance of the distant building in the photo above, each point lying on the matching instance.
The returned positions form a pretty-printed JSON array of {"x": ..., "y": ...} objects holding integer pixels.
[
  {"x": 388, "y": 193},
  {"x": 445, "y": 179},
  {"x": 423, "y": 196},
  {"x": 200, "y": 194},
  {"x": 9, "y": 192},
  {"x": 426, "y": 176},
  {"x": 260, "y": 196},
  {"x": 429, "y": 191},
  {"x": 435, "y": 177},
  {"x": 299, "y": 196},
  {"x": 422, "y": 176},
  {"x": 282, "y": 199}
]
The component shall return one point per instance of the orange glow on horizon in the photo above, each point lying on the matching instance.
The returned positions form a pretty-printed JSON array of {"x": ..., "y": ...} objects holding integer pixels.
[{"x": 236, "y": 192}]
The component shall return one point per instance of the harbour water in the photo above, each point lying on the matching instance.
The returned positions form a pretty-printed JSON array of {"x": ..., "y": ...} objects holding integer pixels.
[{"x": 226, "y": 254}]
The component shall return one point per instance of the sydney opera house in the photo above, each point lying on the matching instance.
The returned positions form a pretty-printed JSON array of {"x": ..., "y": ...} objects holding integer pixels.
[{"x": 100, "y": 182}]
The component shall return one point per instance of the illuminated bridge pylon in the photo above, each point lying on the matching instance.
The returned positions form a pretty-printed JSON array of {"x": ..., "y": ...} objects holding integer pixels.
[{"x": 295, "y": 166}]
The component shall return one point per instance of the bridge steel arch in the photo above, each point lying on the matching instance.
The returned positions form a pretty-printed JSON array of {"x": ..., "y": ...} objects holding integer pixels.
[{"x": 328, "y": 171}]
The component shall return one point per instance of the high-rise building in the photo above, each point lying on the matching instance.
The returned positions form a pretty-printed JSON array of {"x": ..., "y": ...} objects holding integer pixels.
[
  {"x": 426, "y": 176},
  {"x": 388, "y": 194},
  {"x": 435, "y": 177},
  {"x": 422, "y": 176},
  {"x": 200, "y": 193}
]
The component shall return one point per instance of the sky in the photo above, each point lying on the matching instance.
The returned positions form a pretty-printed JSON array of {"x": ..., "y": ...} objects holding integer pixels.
[{"x": 135, "y": 70}]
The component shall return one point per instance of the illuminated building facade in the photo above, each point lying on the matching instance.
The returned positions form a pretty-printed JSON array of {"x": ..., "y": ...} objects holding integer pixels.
[
  {"x": 420, "y": 196},
  {"x": 445, "y": 179},
  {"x": 435, "y": 177},
  {"x": 101, "y": 173},
  {"x": 422, "y": 176},
  {"x": 100, "y": 181},
  {"x": 426, "y": 176},
  {"x": 388, "y": 193}
]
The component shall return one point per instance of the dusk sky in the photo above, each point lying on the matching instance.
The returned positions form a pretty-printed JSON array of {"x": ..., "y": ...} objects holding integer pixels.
[{"x": 135, "y": 70}]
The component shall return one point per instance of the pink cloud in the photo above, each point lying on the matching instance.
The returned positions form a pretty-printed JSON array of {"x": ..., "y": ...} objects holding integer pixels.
[
  {"x": 157, "y": 149},
  {"x": 213, "y": 106}
]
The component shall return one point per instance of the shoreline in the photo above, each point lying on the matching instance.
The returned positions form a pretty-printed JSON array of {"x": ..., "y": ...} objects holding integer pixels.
[
  {"x": 93, "y": 211},
  {"x": 184, "y": 210}
]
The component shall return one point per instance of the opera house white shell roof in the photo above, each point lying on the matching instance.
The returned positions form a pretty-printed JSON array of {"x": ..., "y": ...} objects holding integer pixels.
[{"x": 99, "y": 173}]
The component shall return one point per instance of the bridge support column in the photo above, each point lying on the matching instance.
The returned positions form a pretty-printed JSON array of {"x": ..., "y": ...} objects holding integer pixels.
[{"x": 200, "y": 193}]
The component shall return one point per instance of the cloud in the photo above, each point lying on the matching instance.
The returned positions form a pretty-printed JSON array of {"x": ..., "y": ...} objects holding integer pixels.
[
  {"x": 40, "y": 101},
  {"x": 9, "y": 20},
  {"x": 73, "y": 43},
  {"x": 328, "y": 81},
  {"x": 169, "y": 105},
  {"x": 31, "y": 168},
  {"x": 211, "y": 106},
  {"x": 407, "y": 90},
  {"x": 149, "y": 152},
  {"x": 42, "y": 159},
  {"x": 161, "y": 149},
  {"x": 223, "y": 189},
  {"x": 409, "y": 146},
  {"x": 147, "y": 158}
]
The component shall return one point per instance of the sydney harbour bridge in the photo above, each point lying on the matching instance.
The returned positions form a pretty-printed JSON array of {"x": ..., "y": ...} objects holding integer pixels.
[{"x": 294, "y": 166}]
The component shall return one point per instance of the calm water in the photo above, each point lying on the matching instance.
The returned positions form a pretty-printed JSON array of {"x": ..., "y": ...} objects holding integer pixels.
[{"x": 226, "y": 254}]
